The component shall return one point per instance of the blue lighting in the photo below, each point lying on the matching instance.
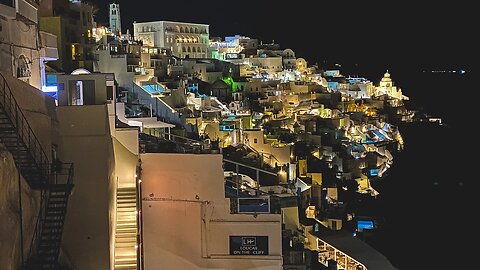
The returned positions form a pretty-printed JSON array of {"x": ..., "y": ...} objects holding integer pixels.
[
  {"x": 365, "y": 224},
  {"x": 154, "y": 89},
  {"x": 374, "y": 172},
  {"x": 50, "y": 89},
  {"x": 333, "y": 85}
]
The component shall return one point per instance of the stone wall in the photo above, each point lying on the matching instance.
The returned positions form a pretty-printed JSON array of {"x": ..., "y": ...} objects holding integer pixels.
[{"x": 11, "y": 214}]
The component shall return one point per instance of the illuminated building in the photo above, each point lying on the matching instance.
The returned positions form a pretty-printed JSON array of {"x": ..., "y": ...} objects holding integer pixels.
[
  {"x": 386, "y": 87},
  {"x": 145, "y": 195},
  {"x": 183, "y": 39},
  {"x": 114, "y": 18},
  {"x": 187, "y": 204},
  {"x": 72, "y": 22}
]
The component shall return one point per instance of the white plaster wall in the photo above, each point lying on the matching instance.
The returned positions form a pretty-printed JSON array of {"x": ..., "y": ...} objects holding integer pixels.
[
  {"x": 282, "y": 154},
  {"x": 116, "y": 65},
  {"x": 85, "y": 140},
  {"x": 23, "y": 40},
  {"x": 187, "y": 220}
]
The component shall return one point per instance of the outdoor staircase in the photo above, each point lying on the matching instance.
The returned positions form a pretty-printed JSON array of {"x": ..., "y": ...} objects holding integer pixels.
[
  {"x": 54, "y": 180},
  {"x": 126, "y": 229},
  {"x": 18, "y": 138},
  {"x": 51, "y": 233}
]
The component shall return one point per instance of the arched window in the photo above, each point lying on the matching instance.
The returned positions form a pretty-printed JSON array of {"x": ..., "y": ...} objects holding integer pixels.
[
  {"x": 188, "y": 49},
  {"x": 194, "y": 49},
  {"x": 186, "y": 30},
  {"x": 196, "y": 30},
  {"x": 191, "y": 29},
  {"x": 177, "y": 28},
  {"x": 199, "y": 50},
  {"x": 181, "y": 29},
  {"x": 23, "y": 69},
  {"x": 184, "y": 49}
]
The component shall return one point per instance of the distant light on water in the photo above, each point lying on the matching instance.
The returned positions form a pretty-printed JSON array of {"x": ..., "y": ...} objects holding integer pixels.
[{"x": 451, "y": 71}]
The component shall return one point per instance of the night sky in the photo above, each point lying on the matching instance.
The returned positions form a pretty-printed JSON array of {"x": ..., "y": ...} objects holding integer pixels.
[{"x": 367, "y": 34}]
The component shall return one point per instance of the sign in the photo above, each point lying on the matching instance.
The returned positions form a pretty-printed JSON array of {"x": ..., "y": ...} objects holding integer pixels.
[
  {"x": 232, "y": 56},
  {"x": 249, "y": 245}
]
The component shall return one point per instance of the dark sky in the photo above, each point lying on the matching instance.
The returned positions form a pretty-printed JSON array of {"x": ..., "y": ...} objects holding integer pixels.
[{"x": 378, "y": 35}]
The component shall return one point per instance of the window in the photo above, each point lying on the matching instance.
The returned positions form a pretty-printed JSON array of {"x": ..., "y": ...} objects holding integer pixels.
[
  {"x": 10, "y": 3},
  {"x": 254, "y": 140}
]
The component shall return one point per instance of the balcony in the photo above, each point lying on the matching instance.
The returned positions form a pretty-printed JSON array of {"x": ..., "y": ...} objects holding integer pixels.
[
  {"x": 49, "y": 49},
  {"x": 27, "y": 11}
]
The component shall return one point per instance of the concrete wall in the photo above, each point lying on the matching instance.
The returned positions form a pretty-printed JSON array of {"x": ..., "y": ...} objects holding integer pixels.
[
  {"x": 187, "y": 220},
  {"x": 19, "y": 39},
  {"x": 269, "y": 63},
  {"x": 38, "y": 109},
  {"x": 90, "y": 209},
  {"x": 117, "y": 65},
  {"x": 281, "y": 154},
  {"x": 128, "y": 137},
  {"x": 291, "y": 218},
  {"x": 100, "y": 87},
  {"x": 10, "y": 213}
]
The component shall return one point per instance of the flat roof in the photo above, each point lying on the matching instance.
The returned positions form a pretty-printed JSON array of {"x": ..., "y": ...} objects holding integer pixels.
[
  {"x": 152, "y": 122},
  {"x": 171, "y": 22}
]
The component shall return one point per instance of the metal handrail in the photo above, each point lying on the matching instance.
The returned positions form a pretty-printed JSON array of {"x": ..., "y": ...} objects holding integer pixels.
[
  {"x": 51, "y": 173},
  {"x": 60, "y": 174},
  {"x": 24, "y": 130}
]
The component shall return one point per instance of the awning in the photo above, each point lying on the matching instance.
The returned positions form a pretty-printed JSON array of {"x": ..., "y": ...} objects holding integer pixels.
[{"x": 150, "y": 122}]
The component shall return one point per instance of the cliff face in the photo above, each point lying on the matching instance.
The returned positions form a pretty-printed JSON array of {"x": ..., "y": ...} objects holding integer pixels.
[{"x": 12, "y": 215}]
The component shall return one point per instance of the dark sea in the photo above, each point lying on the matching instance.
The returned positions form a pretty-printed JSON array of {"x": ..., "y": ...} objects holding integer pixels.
[{"x": 428, "y": 201}]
